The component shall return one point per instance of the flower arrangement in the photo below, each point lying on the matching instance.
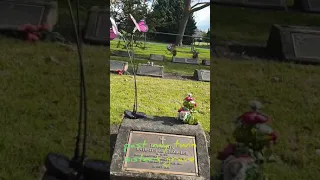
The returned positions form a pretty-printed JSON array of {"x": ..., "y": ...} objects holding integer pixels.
[{"x": 185, "y": 113}]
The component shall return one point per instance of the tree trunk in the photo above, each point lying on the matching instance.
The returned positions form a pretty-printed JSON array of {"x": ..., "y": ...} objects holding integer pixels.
[
  {"x": 183, "y": 22},
  {"x": 182, "y": 28}
]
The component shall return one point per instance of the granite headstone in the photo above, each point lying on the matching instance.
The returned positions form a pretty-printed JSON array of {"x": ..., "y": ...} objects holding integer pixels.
[
  {"x": 295, "y": 43},
  {"x": 160, "y": 148},
  {"x": 157, "y": 57},
  {"x": 205, "y": 62},
  {"x": 273, "y": 4},
  {"x": 185, "y": 60},
  {"x": 97, "y": 29},
  {"x": 15, "y": 13},
  {"x": 308, "y": 5},
  {"x": 148, "y": 70},
  {"x": 202, "y": 75},
  {"x": 118, "y": 65}
]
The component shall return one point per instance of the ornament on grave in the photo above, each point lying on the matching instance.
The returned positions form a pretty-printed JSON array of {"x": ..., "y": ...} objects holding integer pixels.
[
  {"x": 254, "y": 139},
  {"x": 186, "y": 113}
]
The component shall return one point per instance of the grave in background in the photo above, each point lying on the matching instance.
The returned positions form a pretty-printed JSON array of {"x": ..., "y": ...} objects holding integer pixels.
[
  {"x": 148, "y": 70},
  {"x": 152, "y": 159},
  {"x": 308, "y": 5},
  {"x": 14, "y": 13},
  {"x": 202, "y": 75},
  {"x": 121, "y": 53},
  {"x": 205, "y": 62},
  {"x": 185, "y": 60},
  {"x": 98, "y": 26},
  {"x": 295, "y": 43},
  {"x": 273, "y": 4},
  {"x": 157, "y": 57},
  {"x": 118, "y": 65}
]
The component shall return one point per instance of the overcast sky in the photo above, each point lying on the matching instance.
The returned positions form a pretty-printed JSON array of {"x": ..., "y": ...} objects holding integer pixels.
[{"x": 202, "y": 18}]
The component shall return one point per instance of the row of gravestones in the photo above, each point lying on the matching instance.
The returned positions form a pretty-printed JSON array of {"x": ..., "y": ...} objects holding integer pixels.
[
  {"x": 157, "y": 57},
  {"x": 304, "y": 5},
  {"x": 155, "y": 70},
  {"x": 16, "y": 13}
]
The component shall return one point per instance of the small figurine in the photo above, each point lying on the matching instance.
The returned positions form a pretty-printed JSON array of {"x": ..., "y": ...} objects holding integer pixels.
[{"x": 185, "y": 112}]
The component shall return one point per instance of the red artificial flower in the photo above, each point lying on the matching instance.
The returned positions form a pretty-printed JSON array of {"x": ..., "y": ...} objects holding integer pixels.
[
  {"x": 120, "y": 72},
  {"x": 32, "y": 37},
  {"x": 252, "y": 118}
]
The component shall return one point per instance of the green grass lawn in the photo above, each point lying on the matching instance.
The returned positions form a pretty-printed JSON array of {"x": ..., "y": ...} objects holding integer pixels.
[
  {"x": 253, "y": 25},
  {"x": 293, "y": 104},
  {"x": 157, "y": 97},
  {"x": 161, "y": 49},
  {"x": 39, "y": 104}
]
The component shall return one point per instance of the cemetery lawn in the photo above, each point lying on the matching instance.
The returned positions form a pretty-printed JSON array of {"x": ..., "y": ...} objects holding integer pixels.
[
  {"x": 253, "y": 25},
  {"x": 157, "y": 97},
  {"x": 39, "y": 104},
  {"x": 161, "y": 49},
  {"x": 291, "y": 97}
]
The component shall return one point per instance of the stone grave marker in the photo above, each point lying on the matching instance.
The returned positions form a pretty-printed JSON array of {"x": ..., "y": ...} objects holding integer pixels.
[
  {"x": 160, "y": 148},
  {"x": 118, "y": 65},
  {"x": 14, "y": 13},
  {"x": 295, "y": 43},
  {"x": 121, "y": 53},
  {"x": 98, "y": 26},
  {"x": 202, "y": 75},
  {"x": 148, "y": 70},
  {"x": 274, "y": 4},
  {"x": 185, "y": 60},
  {"x": 206, "y": 62},
  {"x": 157, "y": 57},
  {"x": 308, "y": 5}
]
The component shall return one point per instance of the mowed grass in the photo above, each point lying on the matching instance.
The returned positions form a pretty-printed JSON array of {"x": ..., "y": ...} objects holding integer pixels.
[
  {"x": 161, "y": 49},
  {"x": 253, "y": 25},
  {"x": 39, "y": 104},
  {"x": 291, "y": 97},
  {"x": 157, "y": 97}
]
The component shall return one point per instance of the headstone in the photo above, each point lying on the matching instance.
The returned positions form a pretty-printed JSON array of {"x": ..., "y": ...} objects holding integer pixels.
[
  {"x": 121, "y": 53},
  {"x": 205, "y": 62},
  {"x": 202, "y": 75},
  {"x": 160, "y": 148},
  {"x": 15, "y": 13},
  {"x": 185, "y": 60},
  {"x": 157, "y": 57},
  {"x": 308, "y": 5},
  {"x": 148, "y": 70},
  {"x": 295, "y": 43},
  {"x": 118, "y": 65},
  {"x": 274, "y": 4},
  {"x": 97, "y": 30}
]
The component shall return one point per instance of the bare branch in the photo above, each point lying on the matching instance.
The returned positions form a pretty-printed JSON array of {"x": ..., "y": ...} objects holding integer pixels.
[
  {"x": 198, "y": 4},
  {"x": 200, "y": 7}
]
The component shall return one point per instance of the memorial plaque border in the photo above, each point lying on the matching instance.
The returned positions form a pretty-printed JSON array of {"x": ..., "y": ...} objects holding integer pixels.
[{"x": 159, "y": 171}]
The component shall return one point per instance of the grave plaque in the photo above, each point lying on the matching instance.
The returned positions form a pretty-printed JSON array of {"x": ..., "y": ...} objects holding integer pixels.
[
  {"x": 202, "y": 75},
  {"x": 274, "y": 4},
  {"x": 148, "y": 70},
  {"x": 162, "y": 153},
  {"x": 295, "y": 43},
  {"x": 308, "y": 5},
  {"x": 184, "y": 60},
  {"x": 205, "y": 62},
  {"x": 160, "y": 148},
  {"x": 121, "y": 53},
  {"x": 14, "y": 13},
  {"x": 157, "y": 57},
  {"x": 118, "y": 65},
  {"x": 98, "y": 26}
]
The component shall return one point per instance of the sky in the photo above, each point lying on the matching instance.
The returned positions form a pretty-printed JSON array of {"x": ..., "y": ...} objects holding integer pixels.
[{"x": 202, "y": 17}]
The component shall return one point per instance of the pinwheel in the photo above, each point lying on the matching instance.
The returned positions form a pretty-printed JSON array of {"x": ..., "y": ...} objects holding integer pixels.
[
  {"x": 114, "y": 32},
  {"x": 141, "y": 26}
]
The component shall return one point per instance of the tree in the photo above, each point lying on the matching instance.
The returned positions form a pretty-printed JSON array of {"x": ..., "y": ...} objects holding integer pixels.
[
  {"x": 206, "y": 36},
  {"x": 164, "y": 18},
  {"x": 187, "y": 11}
]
